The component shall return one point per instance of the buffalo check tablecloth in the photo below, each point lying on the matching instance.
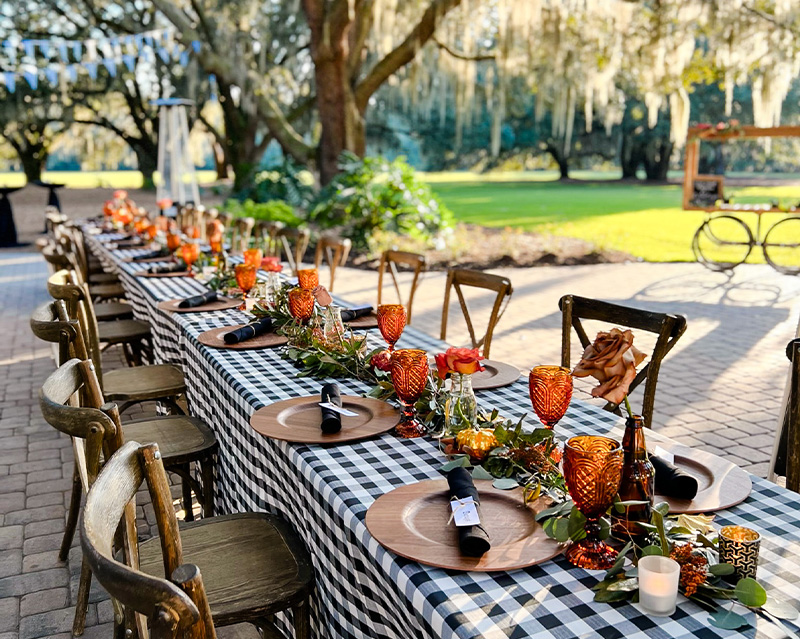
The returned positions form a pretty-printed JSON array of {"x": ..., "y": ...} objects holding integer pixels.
[{"x": 363, "y": 590}]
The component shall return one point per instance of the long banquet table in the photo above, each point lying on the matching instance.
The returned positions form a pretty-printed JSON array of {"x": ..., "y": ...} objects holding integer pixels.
[{"x": 363, "y": 590}]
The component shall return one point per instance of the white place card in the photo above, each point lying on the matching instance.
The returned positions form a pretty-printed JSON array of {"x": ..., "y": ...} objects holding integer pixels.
[
  {"x": 465, "y": 512},
  {"x": 664, "y": 454},
  {"x": 338, "y": 409}
]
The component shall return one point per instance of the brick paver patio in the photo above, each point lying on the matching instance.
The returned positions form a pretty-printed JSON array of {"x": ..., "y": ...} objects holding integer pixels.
[{"x": 719, "y": 390}]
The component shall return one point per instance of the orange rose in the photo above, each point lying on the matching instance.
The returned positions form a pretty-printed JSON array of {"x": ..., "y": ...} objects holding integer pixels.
[
  {"x": 164, "y": 203},
  {"x": 441, "y": 365},
  {"x": 465, "y": 361},
  {"x": 120, "y": 195},
  {"x": 612, "y": 360}
]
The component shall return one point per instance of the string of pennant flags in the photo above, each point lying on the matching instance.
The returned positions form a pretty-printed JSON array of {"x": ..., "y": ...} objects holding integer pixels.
[{"x": 64, "y": 59}]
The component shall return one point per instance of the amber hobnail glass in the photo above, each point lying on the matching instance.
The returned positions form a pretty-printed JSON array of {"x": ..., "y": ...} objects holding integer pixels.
[
  {"x": 216, "y": 246},
  {"x": 253, "y": 256},
  {"x": 308, "y": 278},
  {"x": 152, "y": 231},
  {"x": 593, "y": 471},
  {"x": 391, "y": 322},
  {"x": 409, "y": 370},
  {"x": 301, "y": 304},
  {"x": 245, "y": 279},
  {"x": 189, "y": 254},
  {"x": 173, "y": 242},
  {"x": 550, "y": 388}
]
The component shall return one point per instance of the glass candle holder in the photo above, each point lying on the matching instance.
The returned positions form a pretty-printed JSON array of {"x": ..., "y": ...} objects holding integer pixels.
[
  {"x": 658, "y": 584},
  {"x": 550, "y": 389},
  {"x": 308, "y": 278},
  {"x": 391, "y": 322},
  {"x": 739, "y": 547}
]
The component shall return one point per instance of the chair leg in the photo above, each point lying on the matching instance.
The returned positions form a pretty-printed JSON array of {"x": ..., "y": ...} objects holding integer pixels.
[
  {"x": 187, "y": 494},
  {"x": 72, "y": 516},
  {"x": 301, "y": 613},
  {"x": 82, "y": 604},
  {"x": 174, "y": 407},
  {"x": 207, "y": 471}
]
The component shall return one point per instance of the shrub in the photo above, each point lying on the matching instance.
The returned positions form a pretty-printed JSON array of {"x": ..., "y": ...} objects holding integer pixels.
[
  {"x": 274, "y": 210},
  {"x": 282, "y": 181},
  {"x": 375, "y": 193}
]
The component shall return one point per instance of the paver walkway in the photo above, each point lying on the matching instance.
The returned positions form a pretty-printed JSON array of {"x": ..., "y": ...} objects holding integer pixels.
[{"x": 720, "y": 389}]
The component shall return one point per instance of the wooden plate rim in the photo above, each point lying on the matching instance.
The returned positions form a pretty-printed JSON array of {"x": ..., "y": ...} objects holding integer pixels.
[
  {"x": 507, "y": 374},
  {"x": 365, "y": 322},
  {"x": 173, "y": 274},
  {"x": 404, "y": 541},
  {"x": 265, "y": 421},
  {"x": 212, "y": 339},
  {"x": 171, "y": 306}
]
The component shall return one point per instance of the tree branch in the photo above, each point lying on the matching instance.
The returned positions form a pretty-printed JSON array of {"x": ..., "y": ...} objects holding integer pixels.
[
  {"x": 463, "y": 56},
  {"x": 403, "y": 53}
]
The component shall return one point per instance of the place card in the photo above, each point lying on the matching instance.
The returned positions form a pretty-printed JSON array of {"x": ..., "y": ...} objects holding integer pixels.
[
  {"x": 465, "y": 512},
  {"x": 338, "y": 409},
  {"x": 664, "y": 454}
]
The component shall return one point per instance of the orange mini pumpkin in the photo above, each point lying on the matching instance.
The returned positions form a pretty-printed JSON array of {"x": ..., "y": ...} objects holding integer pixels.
[{"x": 476, "y": 443}]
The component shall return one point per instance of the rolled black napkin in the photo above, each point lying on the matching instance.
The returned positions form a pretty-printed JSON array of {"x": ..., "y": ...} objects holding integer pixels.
[
  {"x": 198, "y": 300},
  {"x": 254, "y": 329},
  {"x": 473, "y": 540},
  {"x": 170, "y": 268},
  {"x": 671, "y": 481},
  {"x": 148, "y": 256},
  {"x": 349, "y": 314},
  {"x": 331, "y": 420}
]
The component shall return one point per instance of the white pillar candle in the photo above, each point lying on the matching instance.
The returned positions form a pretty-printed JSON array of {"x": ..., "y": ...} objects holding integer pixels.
[{"x": 658, "y": 584}]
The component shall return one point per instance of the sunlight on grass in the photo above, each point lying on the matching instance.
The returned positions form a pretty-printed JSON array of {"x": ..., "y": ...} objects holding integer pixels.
[{"x": 95, "y": 179}]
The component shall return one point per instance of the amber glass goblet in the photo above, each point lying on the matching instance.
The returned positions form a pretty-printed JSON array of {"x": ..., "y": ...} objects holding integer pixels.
[
  {"x": 301, "y": 304},
  {"x": 593, "y": 471},
  {"x": 152, "y": 231},
  {"x": 409, "y": 370},
  {"x": 245, "y": 279},
  {"x": 253, "y": 256},
  {"x": 550, "y": 388},
  {"x": 173, "y": 242},
  {"x": 189, "y": 253},
  {"x": 216, "y": 246},
  {"x": 391, "y": 322},
  {"x": 308, "y": 278}
]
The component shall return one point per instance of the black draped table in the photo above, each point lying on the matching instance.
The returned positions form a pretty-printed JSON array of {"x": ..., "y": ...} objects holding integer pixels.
[{"x": 365, "y": 591}]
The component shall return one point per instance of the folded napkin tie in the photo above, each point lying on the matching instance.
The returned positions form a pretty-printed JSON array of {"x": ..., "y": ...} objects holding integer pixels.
[
  {"x": 671, "y": 481},
  {"x": 249, "y": 331},
  {"x": 331, "y": 420},
  {"x": 178, "y": 267},
  {"x": 198, "y": 300},
  {"x": 148, "y": 256},
  {"x": 349, "y": 314},
  {"x": 473, "y": 540}
]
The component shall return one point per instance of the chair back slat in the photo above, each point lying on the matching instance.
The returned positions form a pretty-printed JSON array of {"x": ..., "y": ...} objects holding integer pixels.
[
  {"x": 666, "y": 326},
  {"x": 242, "y": 229},
  {"x": 284, "y": 238},
  {"x": 389, "y": 261},
  {"x": 334, "y": 251},
  {"x": 457, "y": 279}
]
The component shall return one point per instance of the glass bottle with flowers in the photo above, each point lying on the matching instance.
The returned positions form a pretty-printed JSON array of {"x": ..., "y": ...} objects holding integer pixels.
[{"x": 461, "y": 406}]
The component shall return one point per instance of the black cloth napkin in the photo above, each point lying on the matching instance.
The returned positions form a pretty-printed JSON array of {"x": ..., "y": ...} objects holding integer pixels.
[
  {"x": 349, "y": 314},
  {"x": 473, "y": 540},
  {"x": 331, "y": 420},
  {"x": 671, "y": 481},
  {"x": 148, "y": 256},
  {"x": 254, "y": 329},
  {"x": 198, "y": 300},
  {"x": 171, "y": 268}
]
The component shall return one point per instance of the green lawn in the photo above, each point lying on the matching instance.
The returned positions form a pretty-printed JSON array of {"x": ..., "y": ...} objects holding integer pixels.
[
  {"x": 95, "y": 179},
  {"x": 645, "y": 221}
]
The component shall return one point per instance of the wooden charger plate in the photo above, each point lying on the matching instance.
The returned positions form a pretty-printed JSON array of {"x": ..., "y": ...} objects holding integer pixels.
[
  {"x": 495, "y": 375},
  {"x": 364, "y": 322},
  {"x": 147, "y": 260},
  {"x": 173, "y": 274},
  {"x": 412, "y": 521},
  {"x": 222, "y": 304},
  {"x": 214, "y": 338},
  {"x": 298, "y": 420},
  {"x": 721, "y": 484}
]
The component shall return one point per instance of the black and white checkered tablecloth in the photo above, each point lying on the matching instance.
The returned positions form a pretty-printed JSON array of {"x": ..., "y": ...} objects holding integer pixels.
[{"x": 366, "y": 591}]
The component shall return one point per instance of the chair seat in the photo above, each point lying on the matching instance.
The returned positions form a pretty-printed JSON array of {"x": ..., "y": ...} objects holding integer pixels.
[
  {"x": 252, "y": 564},
  {"x": 103, "y": 278},
  {"x": 106, "y": 291},
  {"x": 113, "y": 311},
  {"x": 143, "y": 383},
  {"x": 180, "y": 438},
  {"x": 122, "y": 331}
]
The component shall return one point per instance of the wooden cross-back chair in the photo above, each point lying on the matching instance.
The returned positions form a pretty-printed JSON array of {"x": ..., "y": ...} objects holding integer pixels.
[
  {"x": 241, "y": 230},
  {"x": 265, "y": 234},
  {"x": 389, "y": 261},
  {"x": 334, "y": 251},
  {"x": 264, "y": 568},
  {"x": 293, "y": 243},
  {"x": 666, "y": 326},
  {"x": 785, "y": 460},
  {"x": 74, "y": 241},
  {"x": 206, "y": 216},
  {"x": 96, "y": 431},
  {"x": 458, "y": 278}
]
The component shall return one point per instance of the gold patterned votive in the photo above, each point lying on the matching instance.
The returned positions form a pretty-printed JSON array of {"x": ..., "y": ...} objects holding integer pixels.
[{"x": 738, "y": 546}]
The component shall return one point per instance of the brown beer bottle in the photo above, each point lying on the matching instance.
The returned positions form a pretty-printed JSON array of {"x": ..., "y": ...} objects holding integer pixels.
[{"x": 638, "y": 483}]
